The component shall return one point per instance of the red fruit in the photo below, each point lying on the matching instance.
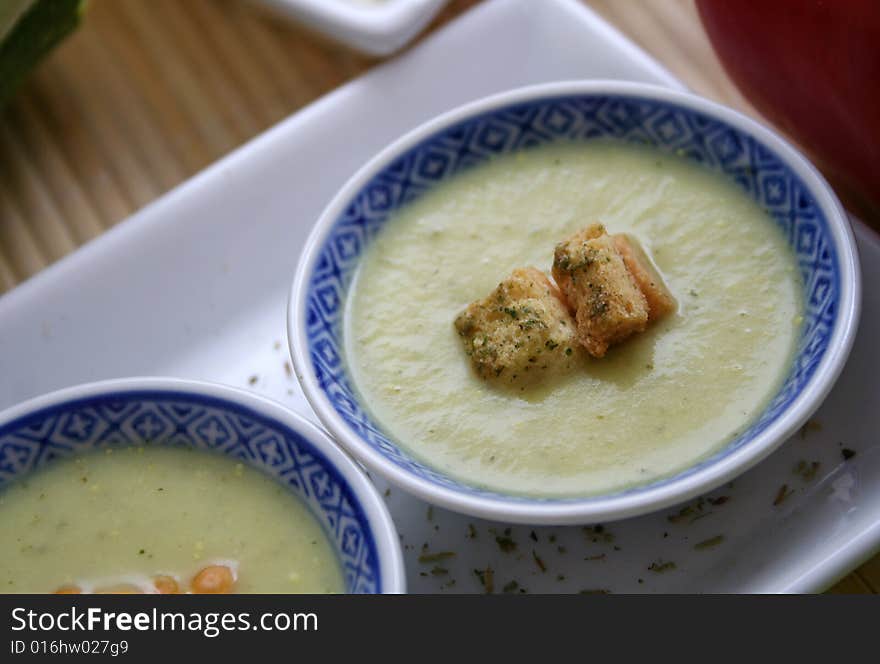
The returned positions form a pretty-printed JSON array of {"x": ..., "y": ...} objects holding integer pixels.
[{"x": 813, "y": 68}]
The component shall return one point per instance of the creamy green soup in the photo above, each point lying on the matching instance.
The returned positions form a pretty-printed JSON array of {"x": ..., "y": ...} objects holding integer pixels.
[
  {"x": 124, "y": 517},
  {"x": 655, "y": 404}
]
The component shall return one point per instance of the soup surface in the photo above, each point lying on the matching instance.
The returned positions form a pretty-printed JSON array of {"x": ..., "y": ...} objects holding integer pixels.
[
  {"x": 122, "y": 517},
  {"x": 654, "y": 404}
]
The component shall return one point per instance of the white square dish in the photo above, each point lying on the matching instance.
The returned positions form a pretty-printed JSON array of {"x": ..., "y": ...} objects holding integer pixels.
[
  {"x": 195, "y": 285},
  {"x": 376, "y": 27}
]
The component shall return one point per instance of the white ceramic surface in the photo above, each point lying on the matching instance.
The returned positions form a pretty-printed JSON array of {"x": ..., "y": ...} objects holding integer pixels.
[
  {"x": 216, "y": 256},
  {"x": 377, "y": 27}
]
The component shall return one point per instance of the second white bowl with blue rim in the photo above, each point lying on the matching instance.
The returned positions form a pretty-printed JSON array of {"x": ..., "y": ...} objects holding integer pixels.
[
  {"x": 224, "y": 420},
  {"x": 755, "y": 157}
]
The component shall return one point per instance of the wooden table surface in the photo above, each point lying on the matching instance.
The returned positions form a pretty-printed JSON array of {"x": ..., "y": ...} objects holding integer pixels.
[{"x": 146, "y": 94}]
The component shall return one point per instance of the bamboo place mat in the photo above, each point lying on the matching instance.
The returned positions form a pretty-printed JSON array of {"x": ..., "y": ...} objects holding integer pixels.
[{"x": 146, "y": 94}]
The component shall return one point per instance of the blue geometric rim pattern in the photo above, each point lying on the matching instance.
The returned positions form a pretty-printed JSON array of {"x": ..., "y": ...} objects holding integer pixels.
[
  {"x": 669, "y": 128},
  {"x": 189, "y": 420}
]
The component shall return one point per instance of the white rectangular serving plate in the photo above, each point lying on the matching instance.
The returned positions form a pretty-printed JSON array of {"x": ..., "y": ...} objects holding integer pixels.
[
  {"x": 195, "y": 285},
  {"x": 377, "y": 27}
]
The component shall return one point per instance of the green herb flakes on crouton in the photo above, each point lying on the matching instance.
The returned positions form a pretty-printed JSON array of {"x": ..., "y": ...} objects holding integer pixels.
[
  {"x": 603, "y": 295},
  {"x": 521, "y": 332}
]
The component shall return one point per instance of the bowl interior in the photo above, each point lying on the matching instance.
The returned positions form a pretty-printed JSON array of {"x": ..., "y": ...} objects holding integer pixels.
[
  {"x": 671, "y": 128},
  {"x": 190, "y": 420}
]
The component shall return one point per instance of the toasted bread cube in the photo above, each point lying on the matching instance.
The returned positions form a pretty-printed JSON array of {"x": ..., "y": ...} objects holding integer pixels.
[
  {"x": 606, "y": 301},
  {"x": 659, "y": 299},
  {"x": 521, "y": 332}
]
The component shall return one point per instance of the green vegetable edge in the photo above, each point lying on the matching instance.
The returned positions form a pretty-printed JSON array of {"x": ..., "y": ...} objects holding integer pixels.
[{"x": 38, "y": 30}]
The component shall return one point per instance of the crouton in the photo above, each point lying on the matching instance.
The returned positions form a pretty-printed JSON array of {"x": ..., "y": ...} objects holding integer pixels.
[
  {"x": 604, "y": 297},
  {"x": 659, "y": 299},
  {"x": 521, "y": 332}
]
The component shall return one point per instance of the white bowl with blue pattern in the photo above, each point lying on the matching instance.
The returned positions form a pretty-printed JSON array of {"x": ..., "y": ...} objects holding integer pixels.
[
  {"x": 222, "y": 420},
  {"x": 756, "y": 158}
]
